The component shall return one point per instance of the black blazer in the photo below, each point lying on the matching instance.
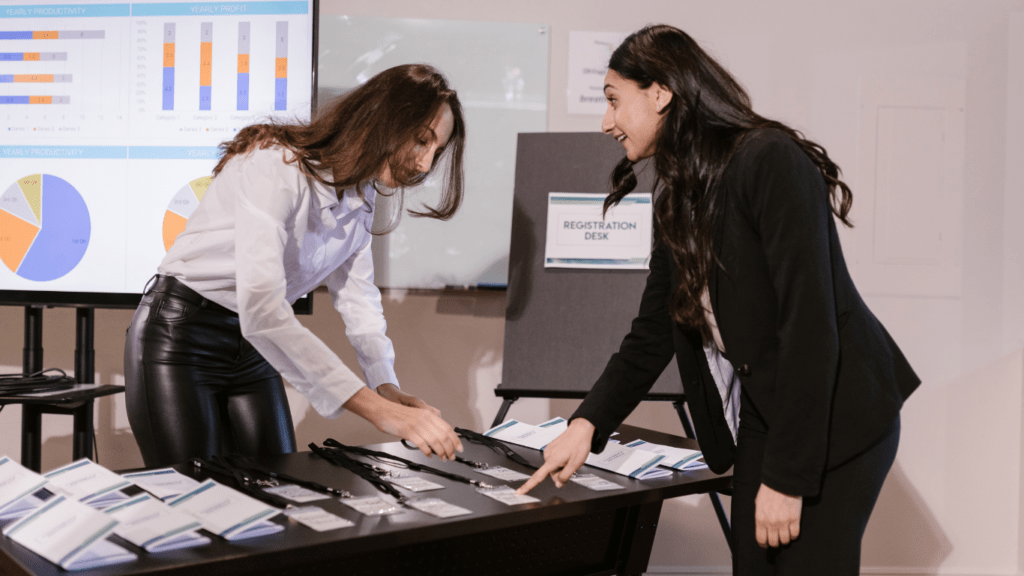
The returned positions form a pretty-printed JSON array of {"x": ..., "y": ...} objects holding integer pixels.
[{"x": 821, "y": 370}]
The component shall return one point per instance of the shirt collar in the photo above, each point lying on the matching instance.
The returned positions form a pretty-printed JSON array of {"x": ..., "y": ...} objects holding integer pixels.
[{"x": 328, "y": 199}]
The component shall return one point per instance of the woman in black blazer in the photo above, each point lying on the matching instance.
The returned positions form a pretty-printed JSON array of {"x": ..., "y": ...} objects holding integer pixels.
[{"x": 749, "y": 291}]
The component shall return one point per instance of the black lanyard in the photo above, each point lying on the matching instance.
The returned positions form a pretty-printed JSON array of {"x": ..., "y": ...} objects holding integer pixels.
[
  {"x": 242, "y": 470},
  {"x": 496, "y": 445},
  {"x": 244, "y": 481},
  {"x": 393, "y": 460},
  {"x": 372, "y": 474},
  {"x": 240, "y": 461}
]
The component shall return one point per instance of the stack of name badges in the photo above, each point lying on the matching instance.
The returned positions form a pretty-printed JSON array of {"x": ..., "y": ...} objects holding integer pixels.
[
  {"x": 640, "y": 460},
  {"x": 55, "y": 524},
  {"x": 67, "y": 514}
]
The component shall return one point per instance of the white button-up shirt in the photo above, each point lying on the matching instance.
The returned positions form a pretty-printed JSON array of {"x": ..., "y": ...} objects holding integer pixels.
[{"x": 264, "y": 235}]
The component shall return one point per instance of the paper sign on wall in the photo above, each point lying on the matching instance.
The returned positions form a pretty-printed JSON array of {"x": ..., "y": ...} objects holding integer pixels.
[
  {"x": 588, "y": 63},
  {"x": 578, "y": 236}
]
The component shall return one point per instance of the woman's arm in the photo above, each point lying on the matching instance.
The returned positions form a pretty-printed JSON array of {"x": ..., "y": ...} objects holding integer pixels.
[
  {"x": 629, "y": 375},
  {"x": 642, "y": 356},
  {"x": 789, "y": 205},
  {"x": 265, "y": 200},
  {"x": 357, "y": 299}
]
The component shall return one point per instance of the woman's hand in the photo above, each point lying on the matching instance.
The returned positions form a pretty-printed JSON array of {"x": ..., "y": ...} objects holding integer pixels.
[
  {"x": 564, "y": 455},
  {"x": 392, "y": 393},
  {"x": 421, "y": 426},
  {"x": 776, "y": 517}
]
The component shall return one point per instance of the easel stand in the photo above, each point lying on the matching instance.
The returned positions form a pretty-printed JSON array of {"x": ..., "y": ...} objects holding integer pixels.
[
  {"x": 562, "y": 324},
  {"x": 77, "y": 404}
]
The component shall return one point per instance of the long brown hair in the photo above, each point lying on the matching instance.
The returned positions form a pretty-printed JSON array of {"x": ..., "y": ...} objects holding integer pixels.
[
  {"x": 374, "y": 125},
  {"x": 703, "y": 125}
]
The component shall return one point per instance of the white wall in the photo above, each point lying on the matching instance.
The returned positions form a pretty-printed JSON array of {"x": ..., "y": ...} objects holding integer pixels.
[{"x": 954, "y": 502}]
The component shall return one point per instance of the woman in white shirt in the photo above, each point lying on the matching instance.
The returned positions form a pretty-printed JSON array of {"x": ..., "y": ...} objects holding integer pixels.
[{"x": 290, "y": 208}]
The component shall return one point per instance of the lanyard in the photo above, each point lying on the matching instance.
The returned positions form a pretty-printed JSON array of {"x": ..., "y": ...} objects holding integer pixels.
[
  {"x": 373, "y": 474},
  {"x": 245, "y": 482},
  {"x": 393, "y": 460},
  {"x": 496, "y": 445},
  {"x": 242, "y": 470}
]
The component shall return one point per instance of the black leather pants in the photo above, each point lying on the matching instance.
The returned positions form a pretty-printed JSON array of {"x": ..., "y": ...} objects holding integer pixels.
[{"x": 194, "y": 386}]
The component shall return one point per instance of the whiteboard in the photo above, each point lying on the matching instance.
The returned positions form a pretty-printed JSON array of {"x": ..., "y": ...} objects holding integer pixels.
[{"x": 500, "y": 71}]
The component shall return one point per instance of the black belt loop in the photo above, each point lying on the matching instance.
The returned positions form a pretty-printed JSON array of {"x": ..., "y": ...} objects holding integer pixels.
[{"x": 151, "y": 281}]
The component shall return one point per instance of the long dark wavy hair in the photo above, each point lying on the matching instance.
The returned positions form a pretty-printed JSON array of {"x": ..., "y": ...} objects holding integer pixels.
[
  {"x": 376, "y": 124},
  {"x": 703, "y": 125}
]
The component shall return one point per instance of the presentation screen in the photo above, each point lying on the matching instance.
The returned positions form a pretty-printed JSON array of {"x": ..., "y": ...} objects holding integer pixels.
[{"x": 112, "y": 114}]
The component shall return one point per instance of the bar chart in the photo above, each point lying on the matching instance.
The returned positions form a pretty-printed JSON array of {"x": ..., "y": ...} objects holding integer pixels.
[
  {"x": 61, "y": 74},
  {"x": 244, "y": 29},
  {"x": 199, "y": 60},
  {"x": 281, "y": 67}
]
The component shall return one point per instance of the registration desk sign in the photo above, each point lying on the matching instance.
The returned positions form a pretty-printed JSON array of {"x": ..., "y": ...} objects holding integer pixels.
[{"x": 578, "y": 236}]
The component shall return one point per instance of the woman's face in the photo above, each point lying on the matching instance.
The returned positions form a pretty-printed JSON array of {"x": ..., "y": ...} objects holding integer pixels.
[
  {"x": 428, "y": 145},
  {"x": 634, "y": 114}
]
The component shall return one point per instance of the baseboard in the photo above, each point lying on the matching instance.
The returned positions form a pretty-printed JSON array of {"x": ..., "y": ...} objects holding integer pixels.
[{"x": 866, "y": 571}]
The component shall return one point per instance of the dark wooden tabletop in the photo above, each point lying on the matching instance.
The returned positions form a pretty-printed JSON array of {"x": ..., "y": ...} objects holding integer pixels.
[{"x": 410, "y": 527}]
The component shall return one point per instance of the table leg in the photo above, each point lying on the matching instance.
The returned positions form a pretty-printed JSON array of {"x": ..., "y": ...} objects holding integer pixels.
[
  {"x": 31, "y": 436},
  {"x": 637, "y": 546},
  {"x": 83, "y": 434}
]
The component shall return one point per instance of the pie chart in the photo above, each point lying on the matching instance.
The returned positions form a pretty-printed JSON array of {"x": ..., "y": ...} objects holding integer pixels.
[
  {"x": 181, "y": 207},
  {"x": 44, "y": 227}
]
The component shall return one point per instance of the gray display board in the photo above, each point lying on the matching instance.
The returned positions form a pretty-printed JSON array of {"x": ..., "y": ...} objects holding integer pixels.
[
  {"x": 500, "y": 70},
  {"x": 561, "y": 324}
]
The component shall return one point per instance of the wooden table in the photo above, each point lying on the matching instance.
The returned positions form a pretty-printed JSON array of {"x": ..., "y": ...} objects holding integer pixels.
[{"x": 572, "y": 530}]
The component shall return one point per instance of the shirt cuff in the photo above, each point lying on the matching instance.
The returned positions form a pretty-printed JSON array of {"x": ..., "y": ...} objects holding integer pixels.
[
  {"x": 328, "y": 400},
  {"x": 382, "y": 372}
]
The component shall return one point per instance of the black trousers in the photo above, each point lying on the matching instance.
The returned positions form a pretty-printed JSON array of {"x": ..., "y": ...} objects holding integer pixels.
[
  {"x": 194, "y": 386},
  {"x": 831, "y": 524}
]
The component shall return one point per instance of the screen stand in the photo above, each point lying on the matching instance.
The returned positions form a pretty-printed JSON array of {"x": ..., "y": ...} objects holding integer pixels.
[{"x": 32, "y": 362}]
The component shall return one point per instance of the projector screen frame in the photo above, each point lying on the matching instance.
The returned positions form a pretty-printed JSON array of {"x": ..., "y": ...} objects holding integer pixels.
[{"x": 128, "y": 300}]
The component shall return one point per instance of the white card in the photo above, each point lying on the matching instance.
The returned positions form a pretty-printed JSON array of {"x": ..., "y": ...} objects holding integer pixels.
[
  {"x": 224, "y": 511},
  {"x": 507, "y": 496},
  {"x": 556, "y": 423},
  {"x": 189, "y": 539},
  {"x": 594, "y": 482},
  {"x": 502, "y": 473},
  {"x": 516, "y": 432},
  {"x": 676, "y": 458},
  {"x": 581, "y": 235},
  {"x": 85, "y": 480},
  {"x": 623, "y": 460},
  {"x": 61, "y": 530},
  {"x": 439, "y": 508},
  {"x": 416, "y": 484},
  {"x": 16, "y": 482},
  {"x": 163, "y": 483},
  {"x": 101, "y": 553},
  {"x": 19, "y": 508},
  {"x": 149, "y": 523},
  {"x": 296, "y": 493},
  {"x": 372, "y": 506},
  {"x": 261, "y": 528},
  {"x": 107, "y": 499},
  {"x": 317, "y": 518}
]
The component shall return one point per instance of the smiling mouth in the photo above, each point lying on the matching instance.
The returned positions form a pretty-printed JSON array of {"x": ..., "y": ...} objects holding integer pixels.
[{"x": 621, "y": 138}]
